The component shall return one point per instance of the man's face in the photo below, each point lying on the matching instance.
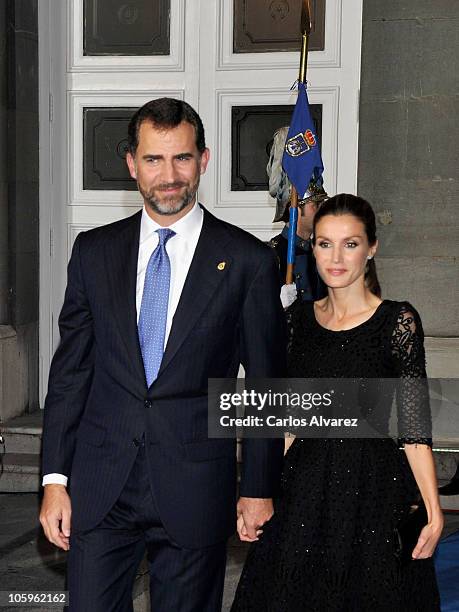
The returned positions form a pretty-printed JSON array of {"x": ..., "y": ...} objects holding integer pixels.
[
  {"x": 305, "y": 219},
  {"x": 167, "y": 167}
]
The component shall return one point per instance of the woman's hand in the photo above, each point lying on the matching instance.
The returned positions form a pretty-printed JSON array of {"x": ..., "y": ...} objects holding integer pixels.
[
  {"x": 428, "y": 538},
  {"x": 422, "y": 465}
]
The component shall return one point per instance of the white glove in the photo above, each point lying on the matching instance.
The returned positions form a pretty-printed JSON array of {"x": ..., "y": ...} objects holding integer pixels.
[{"x": 288, "y": 295}]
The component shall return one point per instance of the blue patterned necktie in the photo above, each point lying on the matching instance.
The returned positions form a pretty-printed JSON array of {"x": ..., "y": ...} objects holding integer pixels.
[{"x": 153, "y": 310}]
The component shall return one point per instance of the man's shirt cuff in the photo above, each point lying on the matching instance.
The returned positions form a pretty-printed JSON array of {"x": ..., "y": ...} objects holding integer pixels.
[{"x": 54, "y": 479}]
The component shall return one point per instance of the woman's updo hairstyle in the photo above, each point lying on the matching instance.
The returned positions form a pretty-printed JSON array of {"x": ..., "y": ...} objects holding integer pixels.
[{"x": 348, "y": 204}]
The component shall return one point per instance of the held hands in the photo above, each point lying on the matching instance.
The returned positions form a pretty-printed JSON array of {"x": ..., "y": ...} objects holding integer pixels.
[
  {"x": 55, "y": 515},
  {"x": 288, "y": 295},
  {"x": 428, "y": 539},
  {"x": 252, "y": 513}
]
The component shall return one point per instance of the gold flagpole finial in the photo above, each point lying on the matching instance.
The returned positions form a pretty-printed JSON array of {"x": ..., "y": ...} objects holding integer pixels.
[
  {"x": 306, "y": 27},
  {"x": 306, "y": 22}
]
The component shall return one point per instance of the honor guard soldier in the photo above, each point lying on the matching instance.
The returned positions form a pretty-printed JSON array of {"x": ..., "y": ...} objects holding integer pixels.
[{"x": 309, "y": 285}]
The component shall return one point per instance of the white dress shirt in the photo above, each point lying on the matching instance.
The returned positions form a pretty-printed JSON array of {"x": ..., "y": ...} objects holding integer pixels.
[{"x": 180, "y": 249}]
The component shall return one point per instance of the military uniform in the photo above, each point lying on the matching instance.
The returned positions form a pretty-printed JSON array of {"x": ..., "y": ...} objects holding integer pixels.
[{"x": 308, "y": 282}]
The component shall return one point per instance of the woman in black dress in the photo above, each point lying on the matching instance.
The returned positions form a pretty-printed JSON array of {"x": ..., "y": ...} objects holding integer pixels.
[{"x": 330, "y": 545}]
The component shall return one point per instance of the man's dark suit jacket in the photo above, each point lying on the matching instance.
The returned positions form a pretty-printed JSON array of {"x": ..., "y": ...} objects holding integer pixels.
[{"x": 98, "y": 405}]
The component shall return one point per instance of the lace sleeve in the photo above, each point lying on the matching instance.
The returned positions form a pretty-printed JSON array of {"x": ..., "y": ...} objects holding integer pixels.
[{"x": 413, "y": 408}]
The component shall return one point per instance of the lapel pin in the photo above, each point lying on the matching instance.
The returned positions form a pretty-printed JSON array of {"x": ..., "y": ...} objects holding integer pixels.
[{"x": 221, "y": 265}]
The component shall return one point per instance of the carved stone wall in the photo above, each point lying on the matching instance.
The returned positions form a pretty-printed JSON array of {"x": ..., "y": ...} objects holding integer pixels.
[
  {"x": 23, "y": 160},
  {"x": 408, "y": 152},
  {"x": 4, "y": 255},
  {"x": 19, "y": 339}
]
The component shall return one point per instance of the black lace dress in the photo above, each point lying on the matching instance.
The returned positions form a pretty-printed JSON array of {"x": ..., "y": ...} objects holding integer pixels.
[{"x": 330, "y": 544}]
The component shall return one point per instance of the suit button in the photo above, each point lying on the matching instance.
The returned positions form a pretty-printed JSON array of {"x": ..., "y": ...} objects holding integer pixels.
[
  {"x": 148, "y": 403},
  {"x": 136, "y": 442}
]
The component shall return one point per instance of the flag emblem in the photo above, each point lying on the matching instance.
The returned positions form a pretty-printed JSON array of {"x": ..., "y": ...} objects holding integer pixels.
[
  {"x": 310, "y": 138},
  {"x": 300, "y": 144},
  {"x": 296, "y": 145}
]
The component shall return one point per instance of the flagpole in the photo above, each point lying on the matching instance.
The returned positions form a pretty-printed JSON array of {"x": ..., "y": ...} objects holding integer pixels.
[{"x": 293, "y": 213}]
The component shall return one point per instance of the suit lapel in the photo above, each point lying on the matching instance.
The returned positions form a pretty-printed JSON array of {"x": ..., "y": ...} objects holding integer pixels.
[
  {"x": 121, "y": 264},
  {"x": 204, "y": 276}
]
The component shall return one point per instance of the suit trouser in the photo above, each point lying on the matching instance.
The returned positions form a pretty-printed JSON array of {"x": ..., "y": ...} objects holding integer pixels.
[{"x": 103, "y": 561}]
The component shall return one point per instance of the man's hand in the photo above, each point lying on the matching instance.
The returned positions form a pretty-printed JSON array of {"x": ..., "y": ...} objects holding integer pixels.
[
  {"x": 252, "y": 513},
  {"x": 55, "y": 515}
]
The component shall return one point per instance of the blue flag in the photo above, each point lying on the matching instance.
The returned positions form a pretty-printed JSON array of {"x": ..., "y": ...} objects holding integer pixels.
[{"x": 302, "y": 160}]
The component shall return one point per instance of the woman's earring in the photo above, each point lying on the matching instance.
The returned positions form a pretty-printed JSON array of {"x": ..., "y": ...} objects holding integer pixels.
[{"x": 367, "y": 265}]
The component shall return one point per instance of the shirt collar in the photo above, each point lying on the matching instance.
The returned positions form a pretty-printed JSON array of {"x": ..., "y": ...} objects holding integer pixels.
[{"x": 186, "y": 226}]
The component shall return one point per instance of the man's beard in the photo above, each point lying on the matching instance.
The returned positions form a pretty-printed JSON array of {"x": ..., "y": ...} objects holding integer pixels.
[{"x": 169, "y": 206}]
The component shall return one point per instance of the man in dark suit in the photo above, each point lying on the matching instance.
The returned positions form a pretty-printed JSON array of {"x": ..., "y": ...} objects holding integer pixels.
[{"x": 156, "y": 304}]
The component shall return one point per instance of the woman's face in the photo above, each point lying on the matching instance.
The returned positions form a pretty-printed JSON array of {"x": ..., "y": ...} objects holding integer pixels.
[{"x": 341, "y": 250}]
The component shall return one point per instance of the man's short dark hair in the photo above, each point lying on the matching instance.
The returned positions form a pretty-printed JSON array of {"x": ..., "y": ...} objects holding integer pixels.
[{"x": 165, "y": 113}]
